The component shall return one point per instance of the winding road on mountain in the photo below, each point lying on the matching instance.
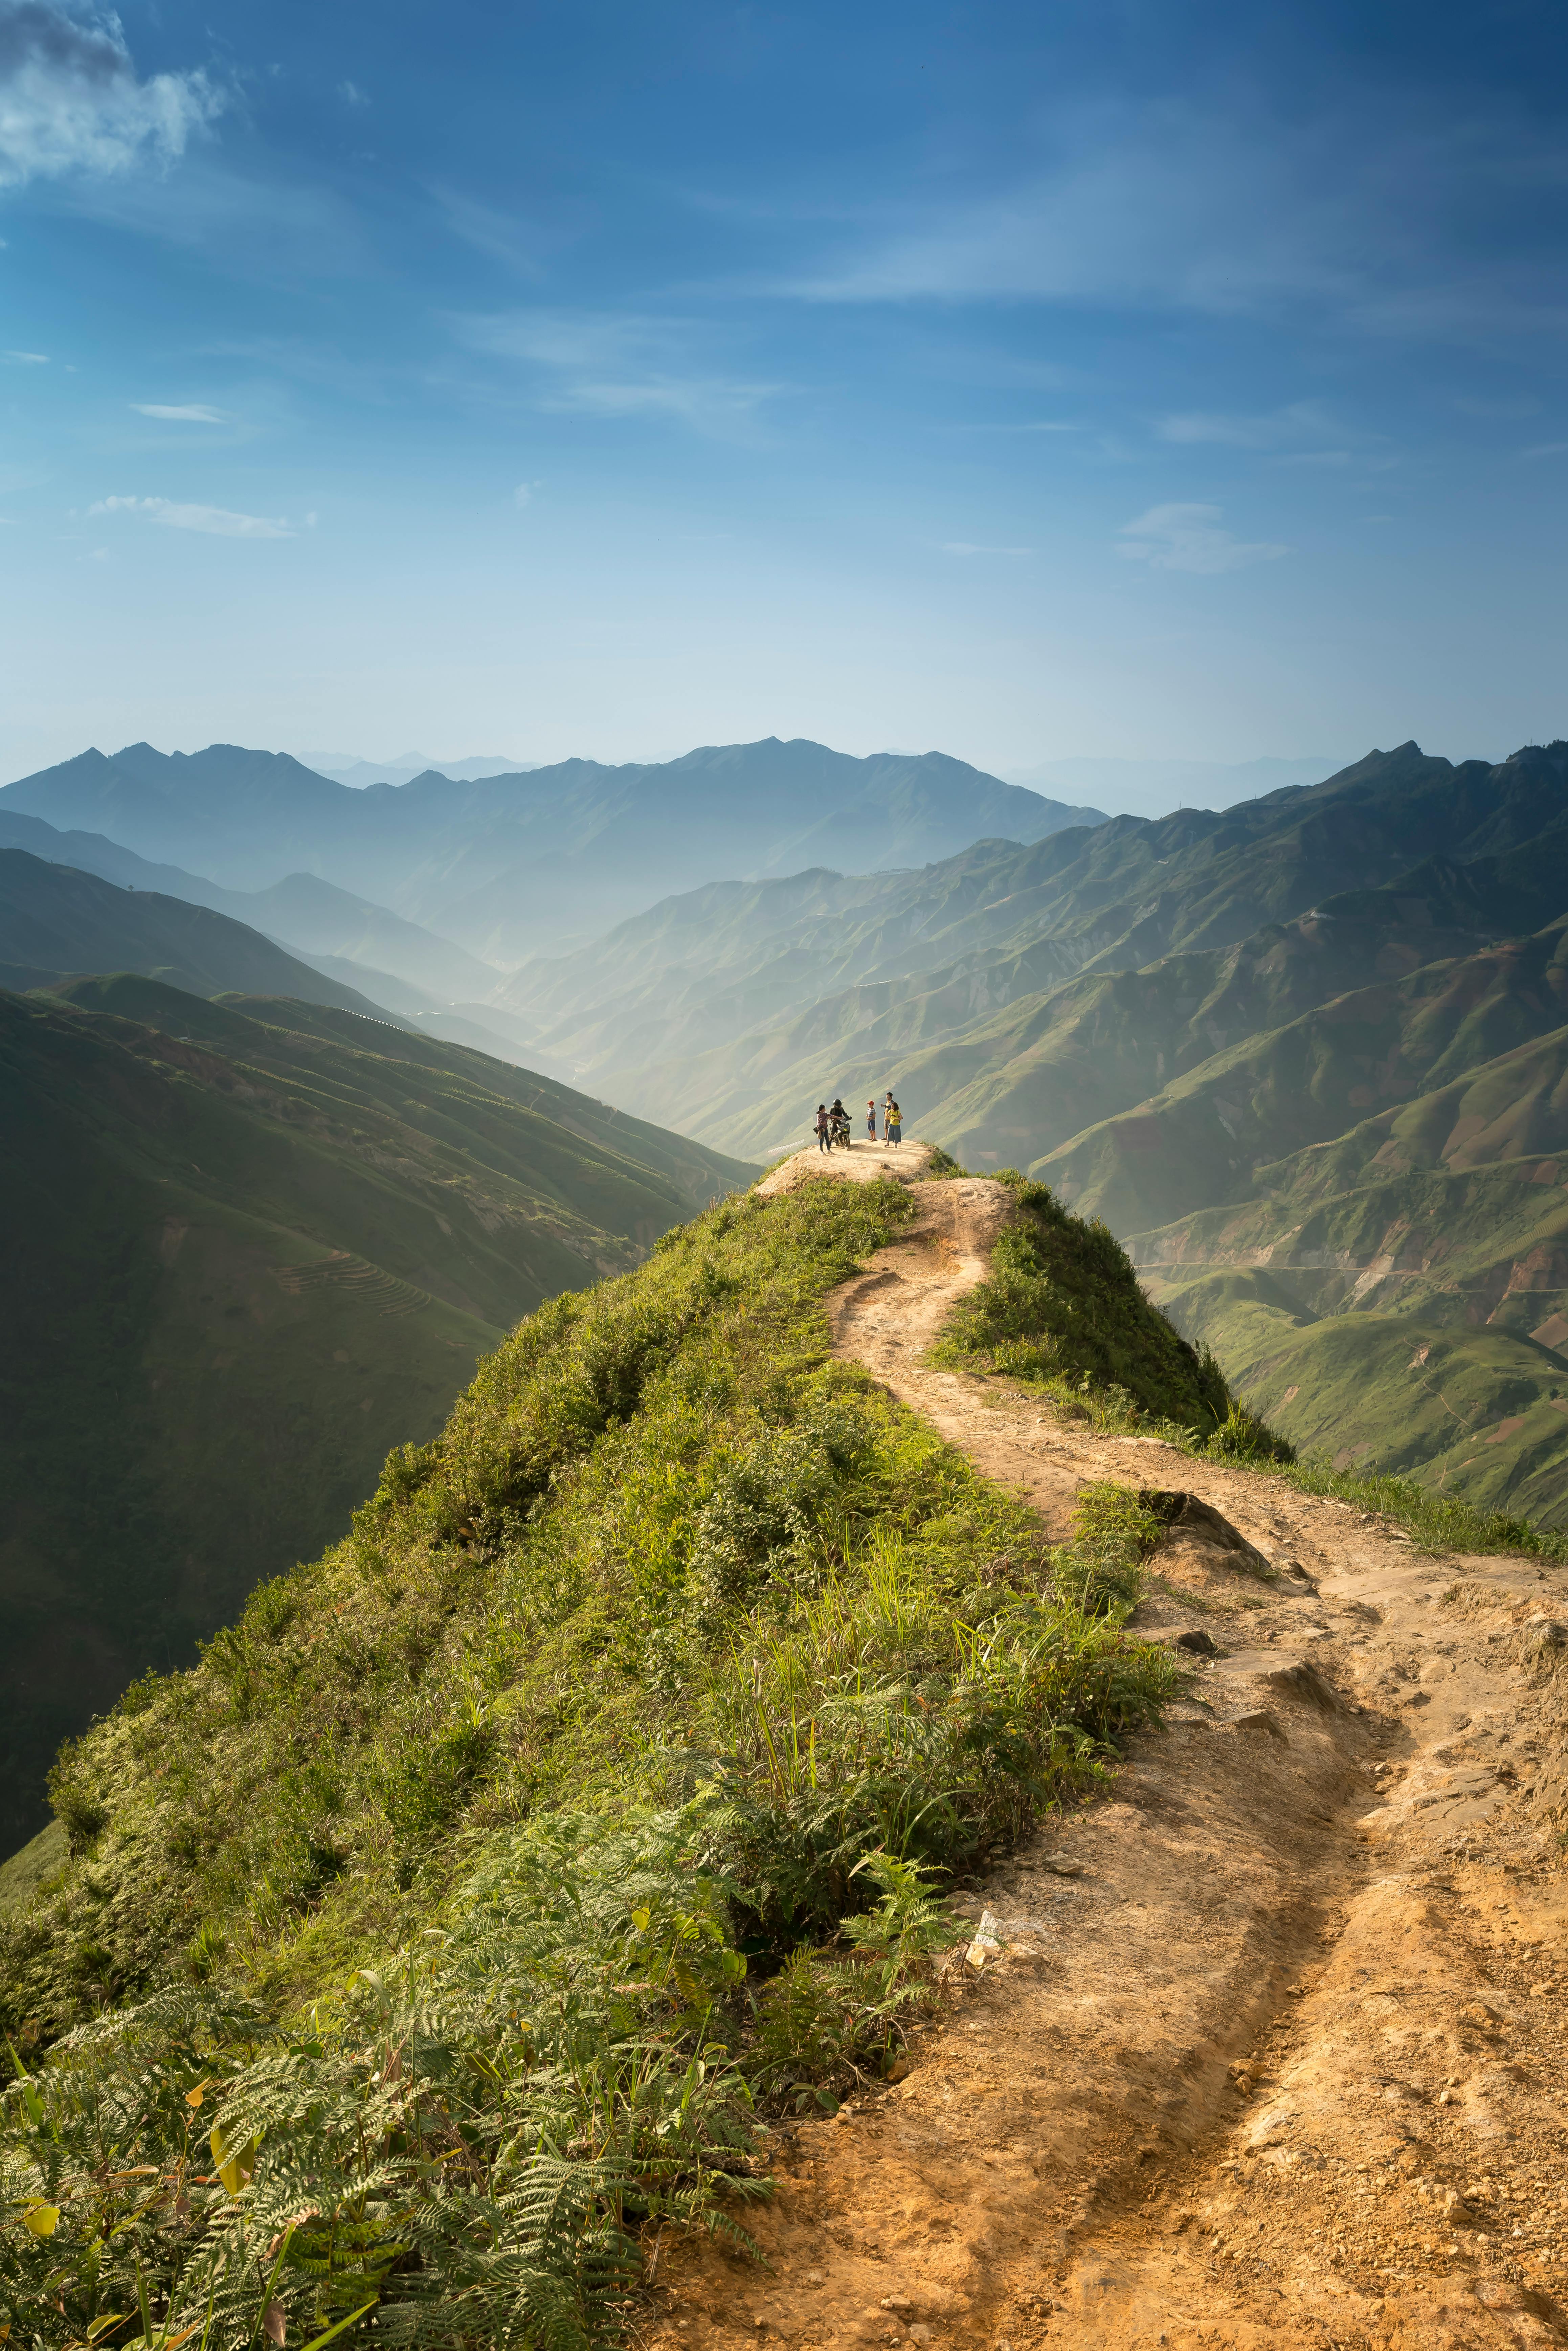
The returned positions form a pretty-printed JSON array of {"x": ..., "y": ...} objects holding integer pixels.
[{"x": 1270, "y": 2049}]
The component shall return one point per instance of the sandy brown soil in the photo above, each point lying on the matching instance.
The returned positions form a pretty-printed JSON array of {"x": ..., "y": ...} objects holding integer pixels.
[{"x": 1274, "y": 2049}]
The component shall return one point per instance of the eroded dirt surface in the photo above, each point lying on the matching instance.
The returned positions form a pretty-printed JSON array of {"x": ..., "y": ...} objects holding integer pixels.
[{"x": 1275, "y": 2049}]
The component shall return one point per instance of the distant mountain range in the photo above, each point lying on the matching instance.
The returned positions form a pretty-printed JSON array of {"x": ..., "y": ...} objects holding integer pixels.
[
  {"x": 1200, "y": 1030},
  {"x": 346, "y": 769},
  {"x": 1154, "y": 788},
  {"x": 509, "y": 864},
  {"x": 252, "y": 1244},
  {"x": 1213, "y": 1029},
  {"x": 970, "y": 979}
]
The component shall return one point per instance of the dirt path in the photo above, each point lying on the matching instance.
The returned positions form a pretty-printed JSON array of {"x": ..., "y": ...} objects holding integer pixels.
[{"x": 1275, "y": 2053}]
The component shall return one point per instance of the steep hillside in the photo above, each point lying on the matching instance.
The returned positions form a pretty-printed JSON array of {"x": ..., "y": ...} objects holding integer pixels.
[
  {"x": 974, "y": 987},
  {"x": 1203, "y": 1139},
  {"x": 301, "y": 912},
  {"x": 253, "y": 1243},
  {"x": 508, "y": 1891},
  {"x": 1399, "y": 1296},
  {"x": 1216, "y": 1106},
  {"x": 506, "y": 863},
  {"x": 682, "y": 1644},
  {"x": 57, "y": 918}
]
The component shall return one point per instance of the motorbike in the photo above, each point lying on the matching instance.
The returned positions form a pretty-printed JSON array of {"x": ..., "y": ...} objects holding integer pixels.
[{"x": 838, "y": 1132}]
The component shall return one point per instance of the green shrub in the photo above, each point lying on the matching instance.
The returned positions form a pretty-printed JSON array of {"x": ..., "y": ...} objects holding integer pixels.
[
  {"x": 1242, "y": 1436},
  {"x": 1061, "y": 1308},
  {"x": 489, "y": 1871}
]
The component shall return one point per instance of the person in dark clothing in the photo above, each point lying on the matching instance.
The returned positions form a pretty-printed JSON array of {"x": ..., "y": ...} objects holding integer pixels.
[{"x": 823, "y": 1144}]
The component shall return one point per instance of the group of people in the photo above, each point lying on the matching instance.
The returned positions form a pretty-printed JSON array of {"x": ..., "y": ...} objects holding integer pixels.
[{"x": 833, "y": 1126}]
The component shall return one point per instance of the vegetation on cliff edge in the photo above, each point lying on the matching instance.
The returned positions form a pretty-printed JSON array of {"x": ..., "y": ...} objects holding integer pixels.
[{"x": 466, "y": 1907}]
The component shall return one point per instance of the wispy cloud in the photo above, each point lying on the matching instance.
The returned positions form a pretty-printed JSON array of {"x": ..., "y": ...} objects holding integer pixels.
[
  {"x": 187, "y": 412},
  {"x": 1545, "y": 449},
  {"x": 1180, "y": 538},
  {"x": 353, "y": 95},
  {"x": 253, "y": 221},
  {"x": 1226, "y": 207},
  {"x": 965, "y": 547},
  {"x": 597, "y": 364},
  {"x": 500, "y": 235},
  {"x": 29, "y": 358},
  {"x": 217, "y": 522},
  {"x": 1279, "y": 428},
  {"x": 72, "y": 101},
  {"x": 1303, "y": 433}
]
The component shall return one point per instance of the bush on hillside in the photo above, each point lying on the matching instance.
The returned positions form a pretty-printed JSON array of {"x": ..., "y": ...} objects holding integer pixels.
[
  {"x": 487, "y": 1873},
  {"x": 1061, "y": 1308}
]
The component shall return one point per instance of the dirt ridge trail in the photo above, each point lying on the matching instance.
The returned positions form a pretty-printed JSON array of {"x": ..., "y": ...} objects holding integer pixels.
[{"x": 1275, "y": 2049}]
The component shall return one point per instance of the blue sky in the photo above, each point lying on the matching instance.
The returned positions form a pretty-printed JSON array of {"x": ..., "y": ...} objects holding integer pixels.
[{"x": 1136, "y": 378}]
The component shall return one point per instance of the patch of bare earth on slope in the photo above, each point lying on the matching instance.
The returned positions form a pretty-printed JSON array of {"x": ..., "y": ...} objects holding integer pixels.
[{"x": 1273, "y": 2050}]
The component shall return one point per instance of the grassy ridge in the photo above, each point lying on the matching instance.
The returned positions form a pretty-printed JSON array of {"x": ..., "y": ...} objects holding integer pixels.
[
  {"x": 682, "y": 1652},
  {"x": 254, "y": 1245},
  {"x": 1062, "y": 1306}
]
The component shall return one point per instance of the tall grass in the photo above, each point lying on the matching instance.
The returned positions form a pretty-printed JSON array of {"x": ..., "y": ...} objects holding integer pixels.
[
  {"x": 1062, "y": 1309},
  {"x": 492, "y": 1878}
]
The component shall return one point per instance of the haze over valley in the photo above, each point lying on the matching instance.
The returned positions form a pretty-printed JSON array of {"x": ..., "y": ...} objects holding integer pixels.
[
  {"x": 1314, "y": 1082},
  {"x": 783, "y": 1177}
]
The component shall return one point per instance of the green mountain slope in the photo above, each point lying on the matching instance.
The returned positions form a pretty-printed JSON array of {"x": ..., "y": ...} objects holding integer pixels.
[
  {"x": 976, "y": 987},
  {"x": 1482, "y": 1414},
  {"x": 1400, "y": 1296},
  {"x": 58, "y": 918},
  {"x": 1215, "y": 1105},
  {"x": 255, "y": 1242},
  {"x": 302, "y": 912},
  {"x": 679, "y": 1647},
  {"x": 1201, "y": 1141}
]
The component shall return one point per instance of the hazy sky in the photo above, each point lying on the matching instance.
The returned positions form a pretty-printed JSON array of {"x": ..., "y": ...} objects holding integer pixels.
[{"x": 1130, "y": 377}]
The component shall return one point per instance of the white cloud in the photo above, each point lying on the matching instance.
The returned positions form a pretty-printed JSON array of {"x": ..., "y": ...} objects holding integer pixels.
[
  {"x": 192, "y": 413},
  {"x": 71, "y": 100},
  {"x": 219, "y": 522},
  {"x": 1545, "y": 449},
  {"x": 965, "y": 547},
  {"x": 353, "y": 95},
  {"x": 29, "y": 358},
  {"x": 522, "y": 496},
  {"x": 1190, "y": 539}
]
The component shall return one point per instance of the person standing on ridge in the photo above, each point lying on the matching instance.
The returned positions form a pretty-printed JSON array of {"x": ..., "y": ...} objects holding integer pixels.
[
  {"x": 893, "y": 1123},
  {"x": 822, "y": 1126},
  {"x": 871, "y": 1119}
]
